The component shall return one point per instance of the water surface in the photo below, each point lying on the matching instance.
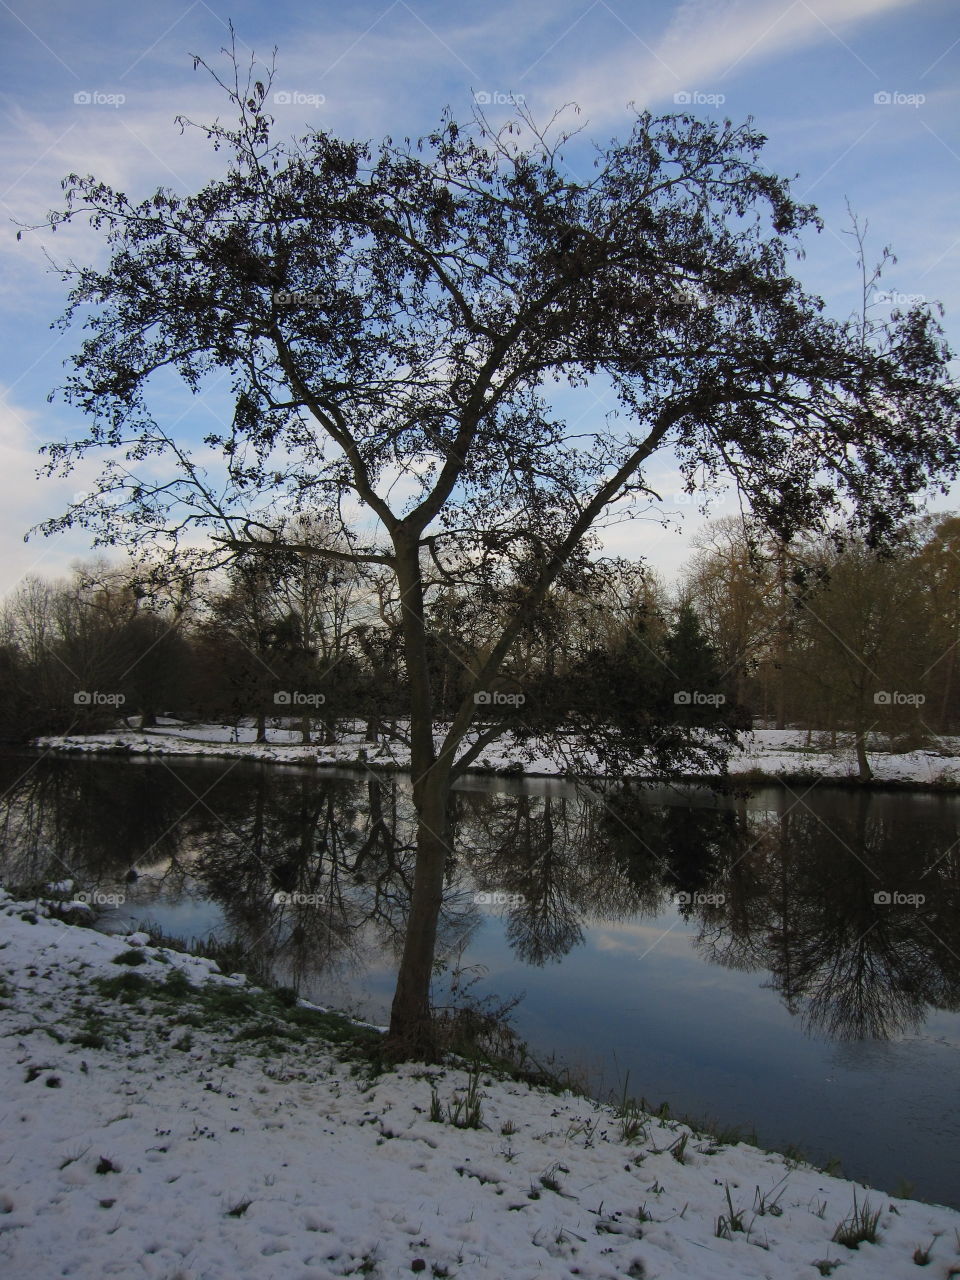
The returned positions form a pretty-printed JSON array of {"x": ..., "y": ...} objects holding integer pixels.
[{"x": 788, "y": 961}]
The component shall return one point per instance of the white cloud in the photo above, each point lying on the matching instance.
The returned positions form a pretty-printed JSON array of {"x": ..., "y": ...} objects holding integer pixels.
[
  {"x": 25, "y": 499},
  {"x": 706, "y": 42}
]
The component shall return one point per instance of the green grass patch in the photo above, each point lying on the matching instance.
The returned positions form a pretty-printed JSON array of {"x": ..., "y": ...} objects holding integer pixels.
[{"x": 248, "y": 1015}]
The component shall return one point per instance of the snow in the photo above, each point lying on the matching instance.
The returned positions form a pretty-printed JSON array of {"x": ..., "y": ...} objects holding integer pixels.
[
  {"x": 173, "y": 1157},
  {"x": 773, "y": 752}
]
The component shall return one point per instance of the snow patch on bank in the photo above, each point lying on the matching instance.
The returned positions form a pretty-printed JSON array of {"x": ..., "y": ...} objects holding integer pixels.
[
  {"x": 178, "y": 1151},
  {"x": 772, "y": 752}
]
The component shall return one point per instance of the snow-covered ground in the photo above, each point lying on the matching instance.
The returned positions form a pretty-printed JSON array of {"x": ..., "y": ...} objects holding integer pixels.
[
  {"x": 164, "y": 1140},
  {"x": 772, "y": 752}
]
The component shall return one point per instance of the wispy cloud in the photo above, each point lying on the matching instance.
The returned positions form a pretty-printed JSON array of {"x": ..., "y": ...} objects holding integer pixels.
[{"x": 705, "y": 44}]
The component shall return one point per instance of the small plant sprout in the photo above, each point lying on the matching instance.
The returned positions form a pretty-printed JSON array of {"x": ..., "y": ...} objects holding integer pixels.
[
  {"x": 731, "y": 1221},
  {"x": 584, "y": 1128},
  {"x": 922, "y": 1256},
  {"x": 550, "y": 1179},
  {"x": 859, "y": 1228},
  {"x": 467, "y": 1112},
  {"x": 631, "y": 1115},
  {"x": 769, "y": 1203},
  {"x": 678, "y": 1150}
]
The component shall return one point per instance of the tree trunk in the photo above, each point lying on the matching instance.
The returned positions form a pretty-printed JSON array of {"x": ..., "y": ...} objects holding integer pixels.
[
  {"x": 261, "y": 726},
  {"x": 411, "y": 1033},
  {"x": 782, "y": 637},
  {"x": 863, "y": 763},
  {"x": 305, "y": 730}
]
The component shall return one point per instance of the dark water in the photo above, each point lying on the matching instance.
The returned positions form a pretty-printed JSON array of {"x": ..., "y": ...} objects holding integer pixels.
[{"x": 728, "y": 956}]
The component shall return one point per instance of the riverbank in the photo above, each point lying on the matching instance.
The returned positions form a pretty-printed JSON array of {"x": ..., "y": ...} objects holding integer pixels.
[
  {"x": 767, "y": 755},
  {"x": 173, "y": 1121}
]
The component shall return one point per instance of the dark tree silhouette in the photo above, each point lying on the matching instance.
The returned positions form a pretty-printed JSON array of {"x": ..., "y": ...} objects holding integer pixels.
[{"x": 399, "y": 309}]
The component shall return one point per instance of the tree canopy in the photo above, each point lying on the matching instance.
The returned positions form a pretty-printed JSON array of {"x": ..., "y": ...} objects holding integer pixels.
[{"x": 395, "y": 319}]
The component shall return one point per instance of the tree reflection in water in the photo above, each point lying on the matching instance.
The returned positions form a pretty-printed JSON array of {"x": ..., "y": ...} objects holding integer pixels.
[{"x": 788, "y": 889}]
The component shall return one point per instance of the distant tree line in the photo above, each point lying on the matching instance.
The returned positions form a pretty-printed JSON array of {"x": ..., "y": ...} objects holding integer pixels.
[
  {"x": 804, "y": 634},
  {"x": 834, "y": 637}
]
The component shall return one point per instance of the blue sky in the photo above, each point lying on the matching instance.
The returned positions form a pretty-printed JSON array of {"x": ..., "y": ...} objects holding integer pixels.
[{"x": 859, "y": 98}]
